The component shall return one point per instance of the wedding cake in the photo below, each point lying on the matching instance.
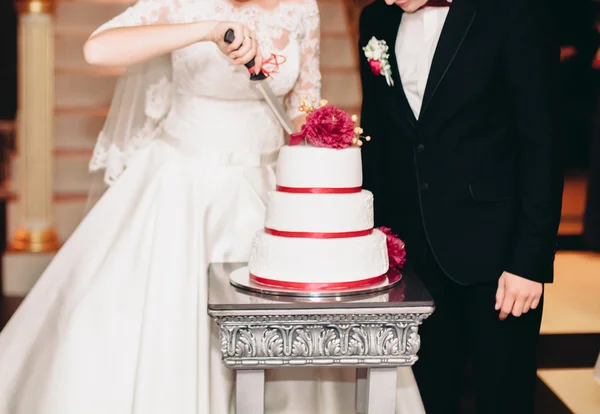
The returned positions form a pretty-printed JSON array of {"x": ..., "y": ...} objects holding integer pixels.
[{"x": 318, "y": 232}]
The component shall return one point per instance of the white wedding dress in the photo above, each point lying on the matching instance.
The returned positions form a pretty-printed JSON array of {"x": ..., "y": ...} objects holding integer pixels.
[{"x": 117, "y": 324}]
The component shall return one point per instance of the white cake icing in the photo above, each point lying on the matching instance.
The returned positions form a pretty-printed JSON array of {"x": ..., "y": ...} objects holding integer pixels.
[
  {"x": 319, "y": 224},
  {"x": 321, "y": 213},
  {"x": 303, "y": 166},
  {"x": 301, "y": 260}
]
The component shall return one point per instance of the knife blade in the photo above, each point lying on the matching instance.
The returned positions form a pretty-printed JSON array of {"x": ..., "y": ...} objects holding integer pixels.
[{"x": 258, "y": 81}]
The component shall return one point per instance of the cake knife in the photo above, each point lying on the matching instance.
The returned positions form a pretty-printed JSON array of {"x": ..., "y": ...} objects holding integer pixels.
[{"x": 259, "y": 82}]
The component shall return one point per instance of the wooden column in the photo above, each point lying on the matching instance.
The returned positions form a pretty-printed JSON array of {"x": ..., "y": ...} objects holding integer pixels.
[{"x": 35, "y": 127}]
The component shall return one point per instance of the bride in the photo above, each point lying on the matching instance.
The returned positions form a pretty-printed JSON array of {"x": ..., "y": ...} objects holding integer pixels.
[{"x": 117, "y": 323}]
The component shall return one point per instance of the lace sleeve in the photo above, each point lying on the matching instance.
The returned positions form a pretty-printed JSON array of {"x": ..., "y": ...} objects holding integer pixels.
[
  {"x": 144, "y": 12},
  {"x": 309, "y": 80},
  {"x": 141, "y": 98}
]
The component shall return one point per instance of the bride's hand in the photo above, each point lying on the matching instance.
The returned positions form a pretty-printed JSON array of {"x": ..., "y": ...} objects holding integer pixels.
[{"x": 244, "y": 47}]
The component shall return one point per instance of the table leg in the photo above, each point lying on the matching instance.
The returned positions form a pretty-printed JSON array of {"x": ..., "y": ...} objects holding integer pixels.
[
  {"x": 250, "y": 391},
  {"x": 361, "y": 390},
  {"x": 409, "y": 398},
  {"x": 381, "y": 390}
]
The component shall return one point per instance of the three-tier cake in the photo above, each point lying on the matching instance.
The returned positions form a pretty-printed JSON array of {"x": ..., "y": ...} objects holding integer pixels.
[{"x": 319, "y": 233}]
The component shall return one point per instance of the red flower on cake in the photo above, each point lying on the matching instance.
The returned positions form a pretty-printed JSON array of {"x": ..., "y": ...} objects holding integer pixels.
[
  {"x": 326, "y": 127},
  {"x": 297, "y": 137},
  {"x": 396, "y": 250}
]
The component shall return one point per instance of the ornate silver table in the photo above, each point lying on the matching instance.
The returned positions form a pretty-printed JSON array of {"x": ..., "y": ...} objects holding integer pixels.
[{"x": 375, "y": 333}]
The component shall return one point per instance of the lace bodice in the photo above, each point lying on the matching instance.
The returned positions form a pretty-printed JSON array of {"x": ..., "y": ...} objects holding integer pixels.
[
  {"x": 291, "y": 29},
  {"x": 197, "y": 95}
]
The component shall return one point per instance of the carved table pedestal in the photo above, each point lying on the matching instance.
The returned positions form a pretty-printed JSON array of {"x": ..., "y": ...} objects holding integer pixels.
[{"x": 375, "y": 333}]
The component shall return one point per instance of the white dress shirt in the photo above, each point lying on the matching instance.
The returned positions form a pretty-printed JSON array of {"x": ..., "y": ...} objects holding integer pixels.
[{"x": 417, "y": 40}]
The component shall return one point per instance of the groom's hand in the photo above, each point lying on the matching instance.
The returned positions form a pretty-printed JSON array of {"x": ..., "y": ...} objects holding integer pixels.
[{"x": 517, "y": 295}]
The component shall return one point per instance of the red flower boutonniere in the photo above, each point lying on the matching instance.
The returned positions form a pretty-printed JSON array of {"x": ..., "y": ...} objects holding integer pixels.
[{"x": 376, "y": 52}]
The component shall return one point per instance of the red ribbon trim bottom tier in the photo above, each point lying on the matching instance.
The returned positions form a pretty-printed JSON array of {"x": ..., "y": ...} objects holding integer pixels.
[
  {"x": 316, "y": 190},
  {"x": 315, "y": 287},
  {"x": 314, "y": 235}
]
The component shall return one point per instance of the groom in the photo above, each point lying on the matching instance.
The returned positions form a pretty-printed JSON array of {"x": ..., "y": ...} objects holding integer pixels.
[{"x": 464, "y": 167}]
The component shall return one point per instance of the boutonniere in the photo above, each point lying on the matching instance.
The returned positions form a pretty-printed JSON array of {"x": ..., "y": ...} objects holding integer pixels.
[{"x": 376, "y": 52}]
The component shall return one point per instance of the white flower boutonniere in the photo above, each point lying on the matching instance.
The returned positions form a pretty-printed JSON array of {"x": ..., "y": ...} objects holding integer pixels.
[{"x": 376, "y": 52}]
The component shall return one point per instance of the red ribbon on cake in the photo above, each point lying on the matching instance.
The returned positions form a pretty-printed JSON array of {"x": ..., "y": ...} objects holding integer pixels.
[
  {"x": 356, "y": 284},
  {"x": 315, "y": 235},
  {"x": 317, "y": 190}
]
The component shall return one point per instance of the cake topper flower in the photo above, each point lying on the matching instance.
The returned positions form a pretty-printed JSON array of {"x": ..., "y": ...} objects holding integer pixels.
[
  {"x": 328, "y": 127},
  {"x": 396, "y": 249}
]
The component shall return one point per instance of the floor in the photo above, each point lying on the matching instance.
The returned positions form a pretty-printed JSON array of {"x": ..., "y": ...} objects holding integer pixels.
[
  {"x": 570, "y": 341},
  {"x": 574, "y": 297},
  {"x": 576, "y": 388}
]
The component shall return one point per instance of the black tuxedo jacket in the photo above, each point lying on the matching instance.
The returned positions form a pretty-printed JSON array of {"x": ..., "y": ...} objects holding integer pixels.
[{"x": 477, "y": 178}]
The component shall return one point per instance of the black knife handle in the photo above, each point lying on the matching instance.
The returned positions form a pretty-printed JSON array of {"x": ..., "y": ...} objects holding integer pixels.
[{"x": 229, "y": 38}]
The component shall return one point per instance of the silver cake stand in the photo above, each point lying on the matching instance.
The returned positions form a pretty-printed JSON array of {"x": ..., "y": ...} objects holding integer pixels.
[{"x": 240, "y": 278}]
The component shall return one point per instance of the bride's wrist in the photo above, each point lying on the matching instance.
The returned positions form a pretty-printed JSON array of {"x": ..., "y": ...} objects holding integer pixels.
[{"x": 207, "y": 30}]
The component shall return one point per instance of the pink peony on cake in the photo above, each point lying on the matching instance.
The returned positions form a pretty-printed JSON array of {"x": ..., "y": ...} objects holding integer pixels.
[{"x": 319, "y": 231}]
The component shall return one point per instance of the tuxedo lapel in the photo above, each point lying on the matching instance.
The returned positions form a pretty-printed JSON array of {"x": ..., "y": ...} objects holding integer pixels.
[
  {"x": 394, "y": 16},
  {"x": 458, "y": 22}
]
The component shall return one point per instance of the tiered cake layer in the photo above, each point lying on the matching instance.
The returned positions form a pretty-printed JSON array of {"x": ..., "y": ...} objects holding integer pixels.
[
  {"x": 319, "y": 215},
  {"x": 313, "y": 170},
  {"x": 319, "y": 225},
  {"x": 319, "y": 264}
]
